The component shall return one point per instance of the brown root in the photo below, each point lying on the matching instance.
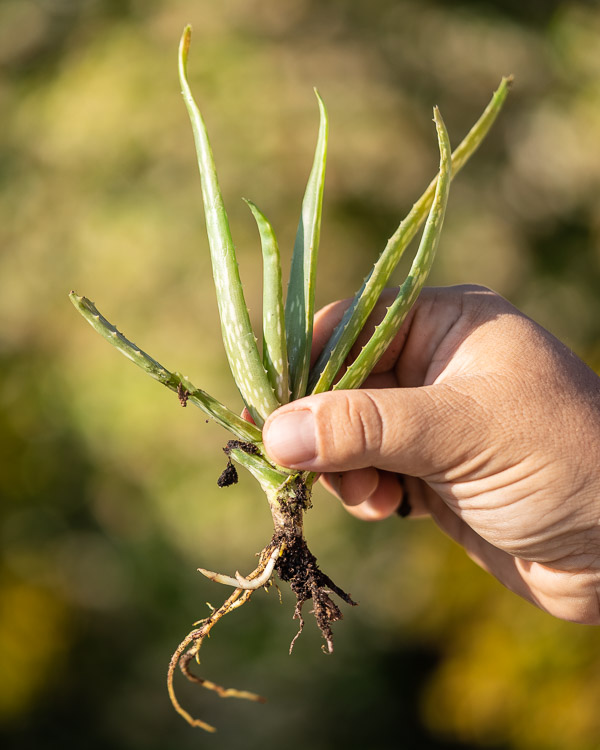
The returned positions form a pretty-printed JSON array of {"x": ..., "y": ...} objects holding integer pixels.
[
  {"x": 189, "y": 649},
  {"x": 287, "y": 554}
]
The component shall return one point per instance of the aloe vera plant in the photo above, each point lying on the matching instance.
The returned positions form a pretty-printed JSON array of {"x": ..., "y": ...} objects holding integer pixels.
[{"x": 281, "y": 371}]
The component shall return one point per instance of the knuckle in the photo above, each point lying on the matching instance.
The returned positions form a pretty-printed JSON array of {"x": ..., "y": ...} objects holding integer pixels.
[
  {"x": 350, "y": 428},
  {"x": 366, "y": 423},
  {"x": 476, "y": 288}
]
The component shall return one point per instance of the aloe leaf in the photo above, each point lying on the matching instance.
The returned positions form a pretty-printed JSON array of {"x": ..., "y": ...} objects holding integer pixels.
[
  {"x": 421, "y": 265},
  {"x": 345, "y": 334},
  {"x": 300, "y": 301},
  {"x": 275, "y": 358},
  {"x": 172, "y": 380},
  {"x": 238, "y": 337}
]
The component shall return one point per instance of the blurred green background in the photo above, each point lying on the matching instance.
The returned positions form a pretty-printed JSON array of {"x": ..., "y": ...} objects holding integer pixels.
[{"x": 108, "y": 494}]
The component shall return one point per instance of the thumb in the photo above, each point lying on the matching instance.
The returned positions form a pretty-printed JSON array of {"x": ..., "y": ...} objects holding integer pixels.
[{"x": 416, "y": 431}]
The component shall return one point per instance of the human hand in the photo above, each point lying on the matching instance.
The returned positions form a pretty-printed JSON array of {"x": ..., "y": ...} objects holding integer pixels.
[{"x": 493, "y": 426}]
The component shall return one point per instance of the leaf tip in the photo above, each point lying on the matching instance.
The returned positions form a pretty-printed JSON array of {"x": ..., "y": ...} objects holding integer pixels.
[
  {"x": 254, "y": 208},
  {"x": 320, "y": 101},
  {"x": 184, "y": 44},
  {"x": 442, "y": 134}
]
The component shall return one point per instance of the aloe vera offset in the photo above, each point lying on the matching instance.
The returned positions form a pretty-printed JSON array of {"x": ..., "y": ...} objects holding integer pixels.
[{"x": 280, "y": 372}]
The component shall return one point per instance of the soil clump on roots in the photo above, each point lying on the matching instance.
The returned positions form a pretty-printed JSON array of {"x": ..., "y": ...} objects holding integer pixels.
[{"x": 298, "y": 566}]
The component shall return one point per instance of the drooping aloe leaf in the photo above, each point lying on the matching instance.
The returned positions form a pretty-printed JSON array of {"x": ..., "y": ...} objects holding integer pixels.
[
  {"x": 300, "y": 301},
  {"x": 172, "y": 380},
  {"x": 343, "y": 337},
  {"x": 275, "y": 357},
  {"x": 409, "y": 291},
  {"x": 238, "y": 337}
]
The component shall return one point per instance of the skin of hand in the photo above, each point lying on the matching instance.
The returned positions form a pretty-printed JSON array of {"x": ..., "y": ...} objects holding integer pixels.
[{"x": 494, "y": 427}]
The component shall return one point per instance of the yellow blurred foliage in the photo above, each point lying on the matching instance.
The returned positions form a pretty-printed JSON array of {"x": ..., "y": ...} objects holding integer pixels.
[{"x": 33, "y": 640}]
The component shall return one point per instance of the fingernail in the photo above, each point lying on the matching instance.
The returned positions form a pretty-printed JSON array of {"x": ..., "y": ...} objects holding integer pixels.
[{"x": 290, "y": 438}]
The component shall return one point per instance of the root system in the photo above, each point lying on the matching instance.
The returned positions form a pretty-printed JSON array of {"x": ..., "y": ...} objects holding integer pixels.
[{"x": 288, "y": 555}]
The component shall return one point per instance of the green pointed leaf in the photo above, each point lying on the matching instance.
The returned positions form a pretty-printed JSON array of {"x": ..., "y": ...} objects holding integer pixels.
[
  {"x": 300, "y": 301},
  {"x": 172, "y": 380},
  {"x": 275, "y": 357},
  {"x": 240, "y": 344},
  {"x": 409, "y": 291},
  {"x": 345, "y": 334}
]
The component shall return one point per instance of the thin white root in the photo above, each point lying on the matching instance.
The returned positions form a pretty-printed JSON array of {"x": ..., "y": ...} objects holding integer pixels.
[
  {"x": 247, "y": 584},
  {"x": 260, "y": 580},
  {"x": 219, "y": 578}
]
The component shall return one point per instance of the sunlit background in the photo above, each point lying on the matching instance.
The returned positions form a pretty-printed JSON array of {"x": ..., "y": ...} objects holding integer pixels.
[{"x": 108, "y": 494}]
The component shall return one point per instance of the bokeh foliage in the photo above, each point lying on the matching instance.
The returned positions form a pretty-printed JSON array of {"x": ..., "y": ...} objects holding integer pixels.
[{"x": 109, "y": 500}]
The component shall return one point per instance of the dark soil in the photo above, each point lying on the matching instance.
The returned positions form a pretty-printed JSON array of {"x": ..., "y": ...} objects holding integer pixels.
[
  {"x": 298, "y": 566},
  {"x": 229, "y": 475},
  {"x": 242, "y": 446}
]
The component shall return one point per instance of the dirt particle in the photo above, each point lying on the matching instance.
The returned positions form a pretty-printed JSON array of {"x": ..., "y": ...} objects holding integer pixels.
[
  {"x": 229, "y": 475},
  {"x": 249, "y": 448},
  {"x": 182, "y": 395}
]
